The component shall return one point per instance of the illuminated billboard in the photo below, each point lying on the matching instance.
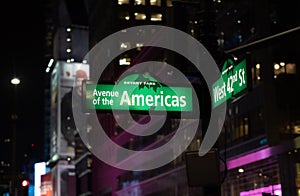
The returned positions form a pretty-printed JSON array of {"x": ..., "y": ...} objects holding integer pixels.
[{"x": 64, "y": 78}]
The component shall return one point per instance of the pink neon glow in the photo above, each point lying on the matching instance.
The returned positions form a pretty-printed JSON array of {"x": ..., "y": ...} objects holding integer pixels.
[
  {"x": 249, "y": 158},
  {"x": 258, "y": 192}
]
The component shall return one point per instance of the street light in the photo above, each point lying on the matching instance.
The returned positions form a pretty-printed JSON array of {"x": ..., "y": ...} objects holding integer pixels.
[{"x": 15, "y": 81}]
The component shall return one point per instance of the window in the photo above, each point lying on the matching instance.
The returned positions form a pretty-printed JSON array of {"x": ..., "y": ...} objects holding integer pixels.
[
  {"x": 139, "y": 2},
  {"x": 140, "y": 16},
  {"x": 256, "y": 73},
  {"x": 169, "y": 3},
  {"x": 155, "y": 2},
  {"x": 156, "y": 17},
  {"x": 284, "y": 68},
  {"x": 124, "y": 16},
  {"x": 121, "y": 2}
]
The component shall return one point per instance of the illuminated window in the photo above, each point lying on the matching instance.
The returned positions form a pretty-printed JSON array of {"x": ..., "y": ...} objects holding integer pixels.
[
  {"x": 256, "y": 73},
  {"x": 156, "y": 17},
  {"x": 140, "y": 16},
  {"x": 124, "y": 16},
  {"x": 120, "y": 2},
  {"x": 169, "y": 3},
  {"x": 139, "y": 2},
  {"x": 155, "y": 2},
  {"x": 284, "y": 68}
]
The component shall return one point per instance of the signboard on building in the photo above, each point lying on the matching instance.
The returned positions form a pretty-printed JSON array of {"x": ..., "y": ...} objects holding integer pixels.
[
  {"x": 64, "y": 78},
  {"x": 232, "y": 82},
  {"x": 140, "y": 93}
]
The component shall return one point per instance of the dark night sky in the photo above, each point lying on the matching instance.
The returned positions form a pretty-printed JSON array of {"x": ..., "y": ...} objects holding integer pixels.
[{"x": 22, "y": 45}]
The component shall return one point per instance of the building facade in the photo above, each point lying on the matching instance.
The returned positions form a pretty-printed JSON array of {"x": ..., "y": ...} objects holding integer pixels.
[{"x": 259, "y": 142}]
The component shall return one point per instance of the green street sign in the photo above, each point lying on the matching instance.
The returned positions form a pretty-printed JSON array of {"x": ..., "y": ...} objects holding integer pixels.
[
  {"x": 234, "y": 81},
  {"x": 138, "y": 92}
]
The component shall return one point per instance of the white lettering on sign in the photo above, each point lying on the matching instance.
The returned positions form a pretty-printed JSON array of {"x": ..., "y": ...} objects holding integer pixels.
[
  {"x": 219, "y": 92},
  {"x": 150, "y": 100},
  {"x": 105, "y": 93}
]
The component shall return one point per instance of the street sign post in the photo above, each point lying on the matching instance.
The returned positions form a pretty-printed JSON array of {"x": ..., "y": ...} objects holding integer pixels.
[
  {"x": 232, "y": 82},
  {"x": 139, "y": 93}
]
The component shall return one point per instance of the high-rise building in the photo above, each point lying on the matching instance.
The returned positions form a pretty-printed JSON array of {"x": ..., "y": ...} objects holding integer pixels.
[
  {"x": 66, "y": 46},
  {"x": 260, "y": 138}
]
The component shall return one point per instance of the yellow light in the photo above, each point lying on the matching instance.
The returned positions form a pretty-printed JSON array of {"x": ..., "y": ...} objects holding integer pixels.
[
  {"x": 257, "y": 66},
  {"x": 276, "y": 66}
]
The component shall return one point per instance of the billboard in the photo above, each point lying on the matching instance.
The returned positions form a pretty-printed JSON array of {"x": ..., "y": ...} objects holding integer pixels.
[
  {"x": 65, "y": 78},
  {"x": 63, "y": 180},
  {"x": 46, "y": 185}
]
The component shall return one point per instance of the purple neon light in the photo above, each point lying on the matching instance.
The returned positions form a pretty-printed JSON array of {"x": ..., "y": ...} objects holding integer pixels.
[
  {"x": 257, "y": 192},
  {"x": 250, "y": 158}
]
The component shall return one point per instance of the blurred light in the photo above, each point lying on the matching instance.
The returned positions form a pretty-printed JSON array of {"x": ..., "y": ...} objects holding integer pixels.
[
  {"x": 25, "y": 183},
  {"x": 68, "y": 50},
  {"x": 124, "y": 61},
  {"x": 239, "y": 21},
  {"x": 68, "y": 39},
  {"x": 68, "y": 60},
  {"x": 15, "y": 81},
  {"x": 257, "y": 66},
  {"x": 50, "y": 63},
  {"x": 72, "y": 60},
  {"x": 139, "y": 45},
  {"x": 282, "y": 63},
  {"x": 276, "y": 188},
  {"x": 249, "y": 158},
  {"x": 127, "y": 17},
  {"x": 235, "y": 58},
  {"x": 84, "y": 61},
  {"x": 123, "y": 45},
  {"x": 276, "y": 66},
  {"x": 241, "y": 170},
  {"x": 39, "y": 170},
  {"x": 69, "y": 29}
]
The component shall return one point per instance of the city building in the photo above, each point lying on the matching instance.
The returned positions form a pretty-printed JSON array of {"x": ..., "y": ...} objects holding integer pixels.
[{"x": 259, "y": 143}]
